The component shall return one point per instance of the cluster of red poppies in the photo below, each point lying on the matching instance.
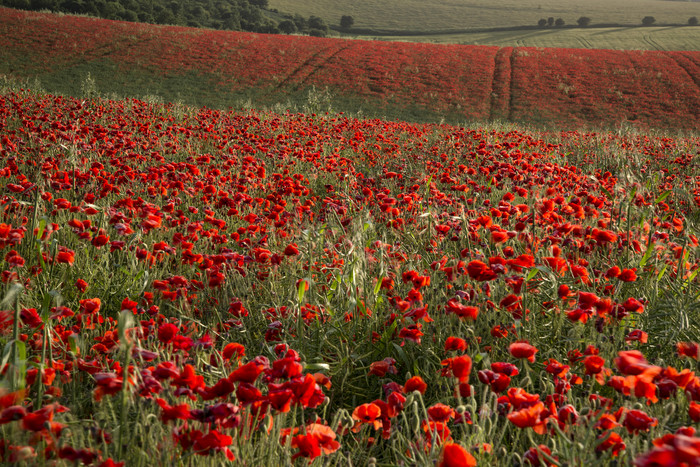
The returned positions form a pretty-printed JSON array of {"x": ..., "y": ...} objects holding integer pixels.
[
  {"x": 649, "y": 89},
  {"x": 260, "y": 286}
]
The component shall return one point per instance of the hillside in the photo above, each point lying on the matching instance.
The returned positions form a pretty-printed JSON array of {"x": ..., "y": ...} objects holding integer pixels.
[
  {"x": 565, "y": 87},
  {"x": 434, "y": 15},
  {"x": 616, "y": 38}
]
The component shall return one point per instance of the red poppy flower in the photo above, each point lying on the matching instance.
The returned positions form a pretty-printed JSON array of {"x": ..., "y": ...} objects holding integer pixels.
[
  {"x": 440, "y": 413},
  {"x": 167, "y": 332},
  {"x": 454, "y": 455},
  {"x": 688, "y": 349},
  {"x": 455, "y": 343},
  {"x": 593, "y": 364},
  {"x": 383, "y": 367},
  {"x": 536, "y": 456},
  {"x": 457, "y": 367},
  {"x": 523, "y": 350},
  {"x": 415, "y": 383},
  {"x": 530, "y": 416},
  {"x": 694, "y": 411},
  {"x": 480, "y": 271},
  {"x": 90, "y": 305},
  {"x": 367, "y": 414},
  {"x": 66, "y": 256},
  {"x": 636, "y": 421},
  {"x": 247, "y": 373}
]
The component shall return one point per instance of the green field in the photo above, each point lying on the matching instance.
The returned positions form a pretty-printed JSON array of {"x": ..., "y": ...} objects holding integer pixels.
[
  {"x": 433, "y": 15},
  {"x": 621, "y": 38}
]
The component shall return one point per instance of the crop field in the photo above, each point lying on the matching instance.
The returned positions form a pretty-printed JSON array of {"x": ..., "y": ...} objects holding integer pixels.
[
  {"x": 568, "y": 88},
  {"x": 188, "y": 286},
  {"x": 620, "y": 38},
  {"x": 436, "y": 15},
  {"x": 264, "y": 259}
]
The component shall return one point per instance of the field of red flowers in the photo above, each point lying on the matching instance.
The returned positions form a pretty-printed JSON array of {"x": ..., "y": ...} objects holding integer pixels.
[
  {"x": 186, "y": 286},
  {"x": 565, "y": 87}
]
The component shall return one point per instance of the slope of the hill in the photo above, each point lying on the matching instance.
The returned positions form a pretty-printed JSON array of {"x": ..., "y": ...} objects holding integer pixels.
[
  {"x": 441, "y": 15},
  {"x": 566, "y": 87}
]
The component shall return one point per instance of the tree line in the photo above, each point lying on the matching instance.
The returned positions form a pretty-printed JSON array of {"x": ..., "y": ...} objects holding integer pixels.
[
  {"x": 239, "y": 15},
  {"x": 585, "y": 21}
]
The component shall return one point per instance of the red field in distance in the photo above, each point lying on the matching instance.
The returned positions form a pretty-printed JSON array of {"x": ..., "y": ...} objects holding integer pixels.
[{"x": 564, "y": 87}]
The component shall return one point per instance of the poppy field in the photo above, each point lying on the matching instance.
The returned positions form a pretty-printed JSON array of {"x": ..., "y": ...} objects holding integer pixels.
[
  {"x": 188, "y": 286},
  {"x": 563, "y": 88}
]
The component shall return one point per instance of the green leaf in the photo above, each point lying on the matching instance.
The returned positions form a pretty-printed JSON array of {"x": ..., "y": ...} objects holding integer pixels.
[
  {"x": 318, "y": 367},
  {"x": 378, "y": 285},
  {"x": 531, "y": 274},
  {"x": 662, "y": 197},
  {"x": 41, "y": 228},
  {"x": 662, "y": 272},
  {"x": 301, "y": 291},
  {"x": 402, "y": 355},
  {"x": 647, "y": 255},
  {"x": 607, "y": 193}
]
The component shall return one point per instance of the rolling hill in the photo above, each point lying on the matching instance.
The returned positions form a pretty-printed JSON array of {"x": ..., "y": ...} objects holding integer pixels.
[{"x": 419, "y": 82}]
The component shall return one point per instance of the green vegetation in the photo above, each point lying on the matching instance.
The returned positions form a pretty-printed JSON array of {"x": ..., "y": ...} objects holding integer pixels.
[
  {"x": 237, "y": 15},
  {"x": 624, "y": 38},
  {"x": 424, "y": 16},
  {"x": 246, "y": 15}
]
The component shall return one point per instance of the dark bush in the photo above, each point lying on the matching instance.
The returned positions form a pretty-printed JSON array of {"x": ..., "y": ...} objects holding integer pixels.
[{"x": 583, "y": 21}]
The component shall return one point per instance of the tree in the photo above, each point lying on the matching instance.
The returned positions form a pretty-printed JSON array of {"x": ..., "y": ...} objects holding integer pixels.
[
  {"x": 559, "y": 22},
  {"x": 648, "y": 20},
  {"x": 346, "y": 21},
  {"x": 550, "y": 21},
  {"x": 287, "y": 26},
  {"x": 301, "y": 23},
  {"x": 542, "y": 23},
  {"x": 317, "y": 23},
  {"x": 317, "y": 32},
  {"x": 583, "y": 21},
  {"x": 693, "y": 21}
]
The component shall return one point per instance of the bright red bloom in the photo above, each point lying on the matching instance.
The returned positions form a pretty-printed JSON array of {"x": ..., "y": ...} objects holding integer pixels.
[
  {"x": 174, "y": 412},
  {"x": 455, "y": 343},
  {"x": 457, "y": 367},
  {"x": 628, "y": 275},
  {"x": 480, "y": 271},
  {"x": 523, "y": 350},
  {"x": 463, "y": 311},
  {"x": 498, "y": 381},
  {"x": 636, "y": 421},
  {"x": 247, "y": 373},
  {"x": 530, "y": 416},
  {"x": 535, "y": 456},
  {"x": 415, "y": 383},
  {"x": 454, "y": 455},
  {"x": 593, "y": 364},
  {"x": 440, "y": 413},
  {"x": 688, "y": 349},
  {"x": 369, "y": 414},
  {"x": 167, "y": 332},
  {"x": 66, "y": 256},
  {"x": 694, "y": 411},
  {"x": 291, "y": 250},
  {"x": 90, "y": 305},
  {"x": 632, "y": 362},
  {"x": 383, "y": 367},
  {"x": 232, "y": 349}
]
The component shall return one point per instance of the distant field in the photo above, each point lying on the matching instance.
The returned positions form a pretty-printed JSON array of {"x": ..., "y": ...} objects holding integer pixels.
[
  {"x": 441, "y": 15},
  {"x": 569, "y": 88},
  {"x": 655, "y": 38}
]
